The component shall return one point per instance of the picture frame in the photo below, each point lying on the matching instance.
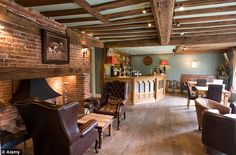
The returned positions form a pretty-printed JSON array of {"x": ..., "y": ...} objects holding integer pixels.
[{"x": 55, "y": 48}]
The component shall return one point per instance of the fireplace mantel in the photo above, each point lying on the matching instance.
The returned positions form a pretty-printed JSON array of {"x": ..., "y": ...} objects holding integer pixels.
[{"x": 17, "y": 73}]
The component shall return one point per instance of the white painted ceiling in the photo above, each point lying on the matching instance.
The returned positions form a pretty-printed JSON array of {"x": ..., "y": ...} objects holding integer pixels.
[{"x": 146, "y": 50}]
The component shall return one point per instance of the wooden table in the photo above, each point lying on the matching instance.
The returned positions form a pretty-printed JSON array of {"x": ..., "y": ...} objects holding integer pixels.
[
  {"x": 202, "y": 90},
  {"x": 104, "y": 121},
  {"x": 194, "y": 83}
]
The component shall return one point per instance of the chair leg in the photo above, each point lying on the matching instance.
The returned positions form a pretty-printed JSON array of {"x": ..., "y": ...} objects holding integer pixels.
[
  {"x": 188, "y": 103},
  {"x": 118, "y": 121},
  {"x": 124, "y": 115},
  {"x": 96, "y": 146}
]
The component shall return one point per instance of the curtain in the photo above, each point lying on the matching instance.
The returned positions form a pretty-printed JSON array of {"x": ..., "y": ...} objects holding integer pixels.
[{"x": 234, "y": 68}]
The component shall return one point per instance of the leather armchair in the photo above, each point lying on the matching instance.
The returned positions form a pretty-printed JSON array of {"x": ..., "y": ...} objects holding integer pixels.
[
  {"x": 113, "y": 98},
  {"x": 219, "y": 132},
  {"x": 203, "y": 103},
  {"x": 54, "y": 129}
]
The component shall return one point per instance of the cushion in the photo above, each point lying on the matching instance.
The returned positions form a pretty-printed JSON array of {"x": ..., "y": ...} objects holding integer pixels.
[
  {"x": 108, "y": 108},
  {"x": 230, "y": 115},
  {"x": 113, "y": 100},
  {"x": 232, "y": 97},
  {"x": 216, "y": 111}
]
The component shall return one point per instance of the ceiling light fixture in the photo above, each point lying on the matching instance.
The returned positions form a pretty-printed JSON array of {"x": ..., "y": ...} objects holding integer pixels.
[
  {"x": 1, "y": 27},
  {"x": 144, "y": 11},
  {"x": 149, "y": 24},
  {"x": 181, "y": 8},
  {"x": 178, "y": 24},
  {"x": 182, "y": 33}
]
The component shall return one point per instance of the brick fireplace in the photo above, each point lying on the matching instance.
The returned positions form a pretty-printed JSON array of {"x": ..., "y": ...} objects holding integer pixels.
[{"x": 21, "y": 58}]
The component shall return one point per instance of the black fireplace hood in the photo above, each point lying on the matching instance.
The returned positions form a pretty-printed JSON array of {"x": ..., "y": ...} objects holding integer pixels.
[{"x": 34, "y": 88}]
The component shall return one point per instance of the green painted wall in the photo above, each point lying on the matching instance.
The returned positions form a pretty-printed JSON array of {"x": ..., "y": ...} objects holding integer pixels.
[
  {"x": 98, "y": 59},
  {"x": 180, "y": 64}
]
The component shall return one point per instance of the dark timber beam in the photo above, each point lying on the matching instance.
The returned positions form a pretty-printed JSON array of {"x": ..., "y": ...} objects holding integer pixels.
[
  {"x": 99, "y": 7},
  {"x": 86, "y": 6},
  {"x": 162, "y": 11}
]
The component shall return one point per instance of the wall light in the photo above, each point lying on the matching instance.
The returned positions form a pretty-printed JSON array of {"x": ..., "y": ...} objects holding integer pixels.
[
  {"x": 144, "y": 11},
  {"x": 194, "y": 64},
  {"x": 84, "y": 52}
]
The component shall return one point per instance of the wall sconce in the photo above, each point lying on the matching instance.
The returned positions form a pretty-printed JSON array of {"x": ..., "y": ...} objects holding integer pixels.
[
  {"x": 84, "y": 52},
  {"x": 194, "y": 64}
]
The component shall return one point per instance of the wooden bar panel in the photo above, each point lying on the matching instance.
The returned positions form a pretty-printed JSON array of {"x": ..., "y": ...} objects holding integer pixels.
[{"x": 144, "y": 88}]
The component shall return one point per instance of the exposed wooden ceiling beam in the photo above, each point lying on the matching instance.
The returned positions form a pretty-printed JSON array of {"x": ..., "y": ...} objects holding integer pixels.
[
  {"x": 204, "y": 33},
  {"x": 123, "y": 31},
  {"x": 178, "y": 49},
  {"x": 129, "y": 38},
  {"x": 204, "y": 40},
  {"x": 201, "y": 2},
  {"x": 204, "y": 11},
  {"x": 206, "y": 29},
  {"x": 114, "y": 27},
  {"x": 208, "y": 24},
  {"x": 133, "y": 43},
  {"x": 127, "y": 13},
  {"x": 120, "y": 21},
  {"x": 193, "y": 51},
  {"x": 210, "y": 18},
  {"x": 162, "y": 11},
  {"x": 125, "y": 34},
  {"x": 85, "y": 19},
  {"x": 86, "y": 6},
  {"x": 99, "y": 7},
  {"x": 27, "y": 3}
]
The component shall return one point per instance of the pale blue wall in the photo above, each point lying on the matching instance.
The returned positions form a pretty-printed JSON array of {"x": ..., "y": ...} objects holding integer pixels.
[{"x": 180, "y": 64}]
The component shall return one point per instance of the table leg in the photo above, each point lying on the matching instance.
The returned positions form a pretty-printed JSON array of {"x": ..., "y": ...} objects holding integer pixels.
[
  {"x": 100, "y": 137},
  {"x": 110, "y": 130}
]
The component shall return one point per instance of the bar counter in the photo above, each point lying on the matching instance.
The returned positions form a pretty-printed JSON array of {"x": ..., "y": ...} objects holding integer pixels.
[{"x": 143, "y": 88}]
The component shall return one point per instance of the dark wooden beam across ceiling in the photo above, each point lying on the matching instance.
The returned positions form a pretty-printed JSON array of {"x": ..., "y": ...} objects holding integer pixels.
[
  {"x": 207, "y": 24},
  {"x": 30, "y": 3},
  {"x": 162, "y": 11},
  {"x": 206, "y": 29},
  {"x": 126, "y": 34},
  {"x": 120, "y": 21},
  {"x": 209, "y": 18},
  {"x": 129, "y": 38},
  {"x": 99, "y": 7},
  {"x": 113, "y": 27},
  {"x": 204, "y": 33},
  {"x": 133, "y": 43},
  {"x": 138, "y": 30},
  {"x": 77, "y": 20},
  {"x": 86, "y": 6}
]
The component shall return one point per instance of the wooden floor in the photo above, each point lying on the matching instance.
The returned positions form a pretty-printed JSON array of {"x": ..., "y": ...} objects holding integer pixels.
[{"x": 163, "y": 128}]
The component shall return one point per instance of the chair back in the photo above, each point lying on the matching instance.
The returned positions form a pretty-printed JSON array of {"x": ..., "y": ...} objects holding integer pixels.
[
  {"x": 214, "y": 92},
  {"x": 118, "y": 89},
  {"x": 201, "y": 82},
  {"x": 188, "y": 89},
  {"x": 52, "y": 128},
  {"x": 217, "y": 81}
]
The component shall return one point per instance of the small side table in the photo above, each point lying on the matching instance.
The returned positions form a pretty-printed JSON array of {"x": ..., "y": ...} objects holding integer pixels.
[{"x": 104, "y": 121}]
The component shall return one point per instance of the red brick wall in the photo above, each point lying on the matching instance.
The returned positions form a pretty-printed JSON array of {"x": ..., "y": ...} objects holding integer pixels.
[{"x": 20, "y": 46}]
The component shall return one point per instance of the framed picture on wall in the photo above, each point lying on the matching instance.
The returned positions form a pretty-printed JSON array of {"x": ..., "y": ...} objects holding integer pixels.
[{"x": 55, "y": 48}]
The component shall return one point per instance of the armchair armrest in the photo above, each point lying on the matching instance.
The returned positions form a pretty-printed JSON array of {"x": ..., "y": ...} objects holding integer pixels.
[
  {"x": 233, "y": 107},
  {"x": 88, "y": 126}
]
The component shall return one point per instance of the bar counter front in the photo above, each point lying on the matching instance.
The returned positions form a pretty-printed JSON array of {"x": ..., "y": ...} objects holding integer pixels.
[{"x": 143, "y": 88}]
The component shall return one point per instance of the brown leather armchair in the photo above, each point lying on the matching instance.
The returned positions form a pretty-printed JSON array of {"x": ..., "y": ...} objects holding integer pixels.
[
  {"x": 55, "y": 130},
  {"x": 219, "y": 132},
  {"x": 113, "y": 98},
  {"x": 204, "y": 103}
]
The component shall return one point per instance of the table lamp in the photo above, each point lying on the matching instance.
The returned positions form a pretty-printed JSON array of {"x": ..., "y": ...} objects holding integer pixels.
[{"x": 164, "y": 63}]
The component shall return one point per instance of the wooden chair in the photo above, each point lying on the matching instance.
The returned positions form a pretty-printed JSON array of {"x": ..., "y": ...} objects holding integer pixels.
[
  {"x": 191, "y": 96},
  {"x": 214, "y": 92}
]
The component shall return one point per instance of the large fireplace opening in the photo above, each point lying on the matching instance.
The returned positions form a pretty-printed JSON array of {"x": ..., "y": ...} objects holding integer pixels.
[{"x": 34, "y": 88}]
